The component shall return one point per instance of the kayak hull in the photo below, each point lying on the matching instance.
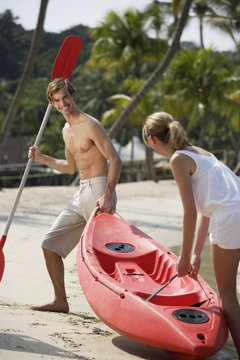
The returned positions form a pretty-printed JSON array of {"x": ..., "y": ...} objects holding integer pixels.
[{"x": 119, "y": 267}]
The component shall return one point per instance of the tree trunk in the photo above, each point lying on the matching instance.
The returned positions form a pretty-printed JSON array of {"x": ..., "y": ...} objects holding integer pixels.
[
  {"x": 117, "y": 125},
  {"x": 132, "y": 150},
  {"x": 26, "y": 75},
  {"x": 201, "y": 32},
  {"x": 151, "y": 175}
]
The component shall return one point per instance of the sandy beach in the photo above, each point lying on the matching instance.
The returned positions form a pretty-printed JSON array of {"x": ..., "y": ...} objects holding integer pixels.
[{"x": 30, "y": 335}]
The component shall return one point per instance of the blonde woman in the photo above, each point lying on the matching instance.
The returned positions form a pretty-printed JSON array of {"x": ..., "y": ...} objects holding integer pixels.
[{"x": 209, "y": 191}]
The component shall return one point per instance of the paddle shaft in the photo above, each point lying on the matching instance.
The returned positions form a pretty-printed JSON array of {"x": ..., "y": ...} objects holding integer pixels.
[
  {"x": 27, "y": 169},
  {"x": 161, "y": 288}
]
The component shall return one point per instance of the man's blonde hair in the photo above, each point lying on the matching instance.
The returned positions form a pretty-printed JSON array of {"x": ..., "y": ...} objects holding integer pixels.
[{"x": 58, "y": 84}]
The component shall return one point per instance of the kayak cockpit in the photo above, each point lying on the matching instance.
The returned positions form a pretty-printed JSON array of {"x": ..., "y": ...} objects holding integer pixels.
[{"x": 185, "y": 291}]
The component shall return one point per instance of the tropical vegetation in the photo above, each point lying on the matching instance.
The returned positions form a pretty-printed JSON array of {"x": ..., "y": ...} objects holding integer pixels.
[{"x": 122, "y": 62}]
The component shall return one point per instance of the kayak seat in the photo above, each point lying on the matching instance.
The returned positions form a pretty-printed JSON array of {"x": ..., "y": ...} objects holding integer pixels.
[{"x": 133, "y": 278}]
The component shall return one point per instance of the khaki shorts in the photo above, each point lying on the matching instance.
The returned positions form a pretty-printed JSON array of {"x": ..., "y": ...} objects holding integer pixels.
[{"x": 66, "y": 231}]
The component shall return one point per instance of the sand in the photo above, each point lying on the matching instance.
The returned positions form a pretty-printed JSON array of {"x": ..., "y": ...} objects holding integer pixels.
[{"x": 30, "y": 335}]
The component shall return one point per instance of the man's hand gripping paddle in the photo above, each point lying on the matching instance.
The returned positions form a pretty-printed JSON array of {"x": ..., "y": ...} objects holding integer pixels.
[{"x": 63, "y": 67}]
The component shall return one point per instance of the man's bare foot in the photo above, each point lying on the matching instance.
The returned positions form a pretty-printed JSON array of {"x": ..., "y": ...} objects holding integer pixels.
[{"x": 53, "y": 307}]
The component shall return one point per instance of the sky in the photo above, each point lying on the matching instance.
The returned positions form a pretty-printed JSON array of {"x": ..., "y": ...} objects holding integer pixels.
[{"x": 62, "y": 14}]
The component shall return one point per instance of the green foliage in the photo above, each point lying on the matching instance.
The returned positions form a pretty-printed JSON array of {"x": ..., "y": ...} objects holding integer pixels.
[
  {"x": 32, "y": 108},
  {"x": 148, "y": 105},
  {"x": 94, "y": 89},
  {"x": 197, "y": 88},
  {"x": 201, "y": 87},
  {"x": 52, "y": 141},
  {"x": 15, "y": 42},
  {"x": 14, "y": 45},
  {"x": 5, "y": 96},
  {"x": 122, "y": 43}
]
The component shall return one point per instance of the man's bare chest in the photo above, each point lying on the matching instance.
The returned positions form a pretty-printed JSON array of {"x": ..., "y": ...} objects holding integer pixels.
[{"x": 78, "y": 144}]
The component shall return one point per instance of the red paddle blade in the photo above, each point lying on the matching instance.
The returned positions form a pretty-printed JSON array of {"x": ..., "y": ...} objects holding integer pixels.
[
  {"x": 2, "y": 260},
  {"x": 67, "y": 57},
  {"x": 2, "y": 241},
  {"x": 2, "y": 264}
]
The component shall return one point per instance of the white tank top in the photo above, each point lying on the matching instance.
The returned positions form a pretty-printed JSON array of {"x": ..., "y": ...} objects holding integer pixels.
[{"x": 215, "y": 186}]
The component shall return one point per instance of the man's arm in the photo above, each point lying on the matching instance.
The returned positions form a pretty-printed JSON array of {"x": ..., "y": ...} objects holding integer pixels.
[
  {"x": 105, "y": 146},
  {"x": 67, "y": 166}
]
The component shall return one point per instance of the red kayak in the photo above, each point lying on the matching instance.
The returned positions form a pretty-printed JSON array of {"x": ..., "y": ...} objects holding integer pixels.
[{"x": 129, "y": 281}]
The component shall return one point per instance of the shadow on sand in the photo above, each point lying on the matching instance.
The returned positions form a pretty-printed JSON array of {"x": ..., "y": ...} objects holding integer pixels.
[
  {"x": 140, "y": 350},
  {"x": 27, "y": 344}
]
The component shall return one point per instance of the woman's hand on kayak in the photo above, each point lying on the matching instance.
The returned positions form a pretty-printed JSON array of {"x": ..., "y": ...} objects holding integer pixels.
[
  {"x": 183, "y": 266},
  {"x": 195, "y": 266}
]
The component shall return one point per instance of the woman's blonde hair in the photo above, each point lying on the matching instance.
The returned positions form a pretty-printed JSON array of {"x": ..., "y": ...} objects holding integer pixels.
[
  {"x": 165, "y": 128},
  {"x": 58, "y": 84}
]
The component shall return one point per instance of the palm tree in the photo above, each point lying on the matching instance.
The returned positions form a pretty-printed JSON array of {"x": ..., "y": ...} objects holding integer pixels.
[
  {"x": 26, "y": 75},
  {"x": 118, "y": 124},
  {"x": 200, "y": 8},
  {"x": 158, "y": 12},
  {"x": 195, "y": 81},
  {"x": 123, "y": 44},
  {"x": 202, "y": 92},
  {"x": 219, "y": 14},
  {"x": 227, "y": 18}
]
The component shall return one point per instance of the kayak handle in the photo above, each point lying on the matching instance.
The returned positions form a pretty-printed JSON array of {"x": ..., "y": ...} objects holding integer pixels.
[
  {"x": 161, "y": 288},
  {"x": 97, "y": 211}
]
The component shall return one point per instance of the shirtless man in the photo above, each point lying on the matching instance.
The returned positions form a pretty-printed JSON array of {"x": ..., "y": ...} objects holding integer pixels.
[{"x": 87, "y": 148}]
